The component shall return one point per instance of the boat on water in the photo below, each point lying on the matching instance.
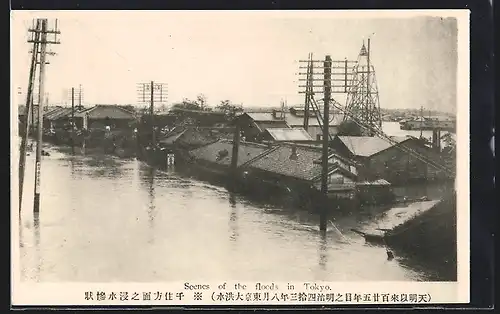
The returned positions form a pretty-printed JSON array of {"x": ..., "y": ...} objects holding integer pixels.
[{"x": 426, "y": 123}]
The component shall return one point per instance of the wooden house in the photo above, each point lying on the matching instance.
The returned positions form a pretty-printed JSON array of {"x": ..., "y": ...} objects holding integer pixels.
[
  {"x": 59, "y": 117},
  {"x": 100, "y": 116},
  {"x": 397, "y": 163},
  {"x": 293, "y": 169}
]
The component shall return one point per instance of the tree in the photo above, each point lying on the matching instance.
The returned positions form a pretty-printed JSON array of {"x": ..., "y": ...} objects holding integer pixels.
[
  {"x": 199, "y": 104},
  {"x": 187, "y": 104},
  {"x": 229, "y": 109},
  {"x": 349, "y": 128},
  {"x": 201, "y": 101}
]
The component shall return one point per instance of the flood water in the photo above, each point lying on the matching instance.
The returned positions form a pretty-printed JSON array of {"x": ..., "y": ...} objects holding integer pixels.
[{"x": 105, "y": 219}]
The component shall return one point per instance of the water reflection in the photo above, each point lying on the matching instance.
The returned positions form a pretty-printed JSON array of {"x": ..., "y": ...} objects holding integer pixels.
[
  {"x": 103, "y": 166},
  {"x": 149, "y": 182},
  {"x": 38, "y": 258},
  {"x": 151, "y": 194},
  {"x": 323, "y": 260},
  {"x": 233, "y": 218}
]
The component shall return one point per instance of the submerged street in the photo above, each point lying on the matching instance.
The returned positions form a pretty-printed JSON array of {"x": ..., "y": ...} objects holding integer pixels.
[{"x": 105, "y": 219}]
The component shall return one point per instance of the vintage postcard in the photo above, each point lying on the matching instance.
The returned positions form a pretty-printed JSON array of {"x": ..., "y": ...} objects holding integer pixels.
[{"x": 240, "y": 157}]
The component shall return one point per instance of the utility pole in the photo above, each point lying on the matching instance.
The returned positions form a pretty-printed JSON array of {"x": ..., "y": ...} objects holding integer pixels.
[
  {"x": 369, "y": 117},
  {"x": 151, "y": 93},
  {"x": 80, "y": 96},
  {"x": 29, "y": 109},
  {"x": 340, "y": 80},
  {"x": 43, "y": 41},
  {"x": 73, "y": 120},
  {"x": 326, "y": 139},
  {"x": 421, "y": 120},
  {"x": 307, "y": 93},
  {"x": 152, "y": 114}
]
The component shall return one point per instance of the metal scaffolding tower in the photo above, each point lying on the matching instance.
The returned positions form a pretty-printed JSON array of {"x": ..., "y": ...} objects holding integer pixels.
[{"x": 362, "y": 97}]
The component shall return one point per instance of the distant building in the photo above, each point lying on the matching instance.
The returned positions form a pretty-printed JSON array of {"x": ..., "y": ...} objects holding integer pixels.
[
  {"x": 254, "y": 124},
  {"x": 203, "y": 118},
  {"x": 100, "y": 116},
  {"x": 58, "y": 117}
]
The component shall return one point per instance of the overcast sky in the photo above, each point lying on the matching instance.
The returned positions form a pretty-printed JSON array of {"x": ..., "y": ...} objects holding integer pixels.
[{"x": 246, "y": 57}]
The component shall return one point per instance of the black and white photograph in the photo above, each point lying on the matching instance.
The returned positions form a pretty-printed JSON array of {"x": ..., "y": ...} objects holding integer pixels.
[{"x": 239, "y": 157}]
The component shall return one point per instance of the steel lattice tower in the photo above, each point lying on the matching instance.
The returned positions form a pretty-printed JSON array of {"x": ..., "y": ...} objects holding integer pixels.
[{"x": 363, "y": 98}]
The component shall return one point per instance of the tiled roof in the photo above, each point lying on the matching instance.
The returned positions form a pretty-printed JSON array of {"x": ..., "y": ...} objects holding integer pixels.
[
  {"x": 366, "y": 146},
  {"x": 188, "y": 136},
  {"x": 289, "y": 134},
  {"x": 221, "y": 152},
  {"x": 110, "y": 111},
  {"x": 278, "y": 161},
  {"x": 57, "y": 113}
]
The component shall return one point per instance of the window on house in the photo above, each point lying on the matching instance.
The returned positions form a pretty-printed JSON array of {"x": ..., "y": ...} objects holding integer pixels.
[
  {"x": 336, "y": 179},
  {"x": 318, "y": 137}
]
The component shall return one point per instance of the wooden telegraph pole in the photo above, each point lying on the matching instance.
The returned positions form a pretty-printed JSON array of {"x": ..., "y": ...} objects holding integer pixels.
[
  {"x": 156, "y": 94},
  {"x": 335, "y": 78},
  {"x": 326, "y": 139},
  {"x": 152, "y": 115},
  {"x": 29, "y": 109},
  {"x": 43, "y": 31},
  {"x": 80, "y": 96}
]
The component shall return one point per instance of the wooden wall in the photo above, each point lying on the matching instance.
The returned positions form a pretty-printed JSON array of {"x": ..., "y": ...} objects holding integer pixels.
[{"x": 397, "y": 166}]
